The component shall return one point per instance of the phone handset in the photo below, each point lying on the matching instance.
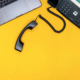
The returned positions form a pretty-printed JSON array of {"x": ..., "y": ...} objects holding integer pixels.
[{"x": 19, "y": 43}]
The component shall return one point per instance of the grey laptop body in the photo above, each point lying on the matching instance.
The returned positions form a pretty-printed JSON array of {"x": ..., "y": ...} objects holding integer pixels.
[{"x": 15, "y": 8}]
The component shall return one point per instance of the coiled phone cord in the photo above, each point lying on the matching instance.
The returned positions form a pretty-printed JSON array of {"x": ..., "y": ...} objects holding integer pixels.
[{"x": 48, "y": 9}]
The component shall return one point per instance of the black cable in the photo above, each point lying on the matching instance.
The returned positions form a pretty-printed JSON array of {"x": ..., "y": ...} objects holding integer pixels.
[{"x": 50, "y": 24}]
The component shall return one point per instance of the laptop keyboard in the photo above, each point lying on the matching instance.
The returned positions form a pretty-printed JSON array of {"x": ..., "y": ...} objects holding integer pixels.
[{"x": 5, "y": 2}]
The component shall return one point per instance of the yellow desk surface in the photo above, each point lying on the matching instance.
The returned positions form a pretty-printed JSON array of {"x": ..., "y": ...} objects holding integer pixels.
[{"x": 46, "y": 55}]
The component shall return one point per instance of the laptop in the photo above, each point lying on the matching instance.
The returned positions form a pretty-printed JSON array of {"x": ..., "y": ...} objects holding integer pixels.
[{"x": 10, "y": 9}]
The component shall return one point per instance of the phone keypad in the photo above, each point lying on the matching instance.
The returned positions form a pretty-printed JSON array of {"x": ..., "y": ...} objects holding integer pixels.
[
  {"x": 78, "y": 21},
  {"x": 70, "y": 11},
  {"x": 65, "y": 8}
]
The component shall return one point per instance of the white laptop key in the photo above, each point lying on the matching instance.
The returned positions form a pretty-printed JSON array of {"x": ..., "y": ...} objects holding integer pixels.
[
  {"x": 3, "y": 17},
  {"x": 16, "y": 9},
  {"x": 32, "y": 4}
]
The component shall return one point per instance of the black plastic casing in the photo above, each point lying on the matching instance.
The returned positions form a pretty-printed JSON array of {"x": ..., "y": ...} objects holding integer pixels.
[
  {"x": 49, "y": 1},
  {"x": 70, "y": 15}
]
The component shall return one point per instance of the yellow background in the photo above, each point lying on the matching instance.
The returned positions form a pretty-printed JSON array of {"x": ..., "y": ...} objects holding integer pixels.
[{"x": 46, "y": 55}]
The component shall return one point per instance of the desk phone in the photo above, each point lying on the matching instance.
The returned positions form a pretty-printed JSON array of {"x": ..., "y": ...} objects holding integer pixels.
[{"x": 69, "y": 8}]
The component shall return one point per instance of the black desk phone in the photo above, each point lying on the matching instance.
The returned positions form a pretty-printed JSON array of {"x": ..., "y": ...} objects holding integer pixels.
[{"x": 69, "y": 8}]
